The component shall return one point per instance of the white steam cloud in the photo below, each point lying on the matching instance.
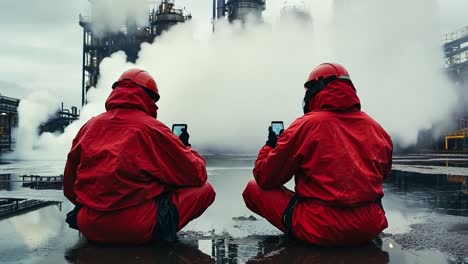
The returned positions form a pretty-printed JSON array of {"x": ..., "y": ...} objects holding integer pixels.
[
  {"x": 396, "y": 62},
  {"x": 111, "y": 15},
  {"x": 230, "y": 85},
  {"x": 33, "y": 110}
]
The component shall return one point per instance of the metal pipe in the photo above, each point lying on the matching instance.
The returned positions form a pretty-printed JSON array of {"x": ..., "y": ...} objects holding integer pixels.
[
  {"x": 221, "y": 7},
  {"x": 83, "y": 87},
  {"x": 214, "y": 16},
  {"x": 214, "y": 10}
]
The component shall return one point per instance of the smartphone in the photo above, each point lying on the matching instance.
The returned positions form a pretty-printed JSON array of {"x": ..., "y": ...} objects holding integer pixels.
[
  {"x": 277, "y": 126},
  {"x": 177, "y": 128}
]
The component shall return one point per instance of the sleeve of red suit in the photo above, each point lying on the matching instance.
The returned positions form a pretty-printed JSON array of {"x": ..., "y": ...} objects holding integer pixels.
[
  {"x": 274, "y": 167},
  {"x": 71, "y": 166},
  {"x": 174, "y": 163}
]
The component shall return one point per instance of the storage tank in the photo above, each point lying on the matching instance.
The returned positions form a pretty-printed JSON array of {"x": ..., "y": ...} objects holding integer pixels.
[{"x": 240, "y": 9}]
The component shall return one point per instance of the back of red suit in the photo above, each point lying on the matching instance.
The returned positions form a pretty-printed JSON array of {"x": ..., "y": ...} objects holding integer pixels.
[
  {"x": 122, "y": 160},
  {"x": 339, "y": 157}
]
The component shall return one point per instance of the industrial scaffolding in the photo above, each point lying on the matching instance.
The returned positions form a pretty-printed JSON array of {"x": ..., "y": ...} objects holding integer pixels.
[
  {"x": 60, "y": 120},
  {"x": 128, "y": 39},
  {"x": 456, "y": 53},
  {"x": 8, "y": 121},
  {"x": 456, "y": 62}
]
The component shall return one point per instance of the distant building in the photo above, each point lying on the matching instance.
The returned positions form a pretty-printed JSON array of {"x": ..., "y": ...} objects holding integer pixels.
[
  {"x": 455, "y": 47},
  {"x": 240, "y": 10},
  {"x": 456, "y": 62},
  {"x": 61, "y": 119},
  {"x": 8, "y": 121},
  {"x": 97, "y": 47}
]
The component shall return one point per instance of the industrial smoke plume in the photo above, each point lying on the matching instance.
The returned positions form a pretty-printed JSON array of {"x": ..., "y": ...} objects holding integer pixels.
[
  {"x": 230, "y": 85},
  {"x": 111, "y": 15}
]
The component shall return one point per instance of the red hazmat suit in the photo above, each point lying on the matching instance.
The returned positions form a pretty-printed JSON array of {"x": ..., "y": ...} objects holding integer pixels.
[
  {"x": 121, "y": 160},
  {"x": 339, "y": 157}
]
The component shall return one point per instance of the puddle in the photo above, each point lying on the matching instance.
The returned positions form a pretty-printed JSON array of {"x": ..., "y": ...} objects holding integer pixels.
[
  {"x": 439, "y": 193},
  {"x": 416, "y": 204}
]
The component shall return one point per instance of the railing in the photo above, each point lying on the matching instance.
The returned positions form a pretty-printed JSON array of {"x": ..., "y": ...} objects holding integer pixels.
[
  {"x": 458, "y": 59},
  {"x": 449, "y": 37},
  {"x": 458, "y": 134},
  {"x": 461, "y": 132},
  {"x": 456, "y": 54},
  {"x": 14, "y": 206},
  {"x": 37, "y": 178},
  {"x": 42, "y": 182}
]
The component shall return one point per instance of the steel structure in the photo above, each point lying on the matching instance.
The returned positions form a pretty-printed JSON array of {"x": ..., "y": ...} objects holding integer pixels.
[
  {"x": 128, "y": 39},
  {"x": 61, "y": 119},
  {"x": 455, "y": 46},
  {"x": 5, "y": 182},
  {"x": 456, "y": 53},
  {"x": 12, "y": 206},
  {"x": 8, "y": 121},
  {"x": 238, "y": 9}
]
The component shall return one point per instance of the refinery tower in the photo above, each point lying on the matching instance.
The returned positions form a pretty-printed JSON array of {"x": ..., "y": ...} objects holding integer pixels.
[
  {"x": 238, "y": 9},
  {"x": 129, "y": 38}
]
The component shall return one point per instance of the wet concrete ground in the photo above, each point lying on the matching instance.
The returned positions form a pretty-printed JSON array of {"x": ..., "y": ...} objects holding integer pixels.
[
  {"x": 448, "y": 160},
  {"x": 426, "y": 209}
]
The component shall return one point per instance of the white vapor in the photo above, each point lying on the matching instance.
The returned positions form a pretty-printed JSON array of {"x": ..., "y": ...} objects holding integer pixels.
[
  {"x": 111, "y": 15},
  {"x": 230, "y": 85},
  {"x": 37, "y": 108},
  {"x": 395, "y": 57}
]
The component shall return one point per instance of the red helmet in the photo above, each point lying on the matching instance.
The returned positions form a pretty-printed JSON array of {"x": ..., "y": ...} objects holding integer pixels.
[
  {"x": 327, "y": 70},
  {"x": 141, "y": 78},
  {"x": 319, "y": 79}
]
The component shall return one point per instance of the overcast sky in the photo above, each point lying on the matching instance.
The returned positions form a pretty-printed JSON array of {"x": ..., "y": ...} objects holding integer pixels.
[{"x": 41, "y": 45}]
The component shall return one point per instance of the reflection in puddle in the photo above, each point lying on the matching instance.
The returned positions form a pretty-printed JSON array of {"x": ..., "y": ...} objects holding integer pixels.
[
  {"x": 253, "y": 249},
  {"x": 37, "y": 227},
  {"x": 12, "y": 206},
  {"x": 442, "y": 193},
  {"x": 86, "y": 252},
  {"x": 269, "y": 249},
  {"x": 42, "y": 182},
  {"x": 443, "y": 163},
  {"x": 433, "y": 160},
  {"x": 301, "y": 253},
  {"x": 5, "y": 182}
]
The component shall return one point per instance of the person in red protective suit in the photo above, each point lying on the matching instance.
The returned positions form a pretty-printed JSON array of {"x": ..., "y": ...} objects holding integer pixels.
[
  {"x": 339, "y": 157},
  {"x": 132, "y": 180}
]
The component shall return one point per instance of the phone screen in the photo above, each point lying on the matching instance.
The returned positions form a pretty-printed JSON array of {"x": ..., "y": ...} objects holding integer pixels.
[
  {"x": 277, "y": 126},
  {"x": 177, "y": 128}
]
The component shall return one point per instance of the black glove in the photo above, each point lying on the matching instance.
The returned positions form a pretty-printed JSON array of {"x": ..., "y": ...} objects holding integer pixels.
[
  {"x": 72, "y": 217},
  {"x": 184, "y": 137},
  {"x": 272, "y": 138}
]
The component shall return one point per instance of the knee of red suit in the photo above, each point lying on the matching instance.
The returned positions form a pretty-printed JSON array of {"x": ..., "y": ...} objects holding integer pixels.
[
  {"x": 210, "y": 190},
  {"x": 211, "y": 193},
  {"x": 250, "y": 190},
  {"x": 192, "y": 202}
]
